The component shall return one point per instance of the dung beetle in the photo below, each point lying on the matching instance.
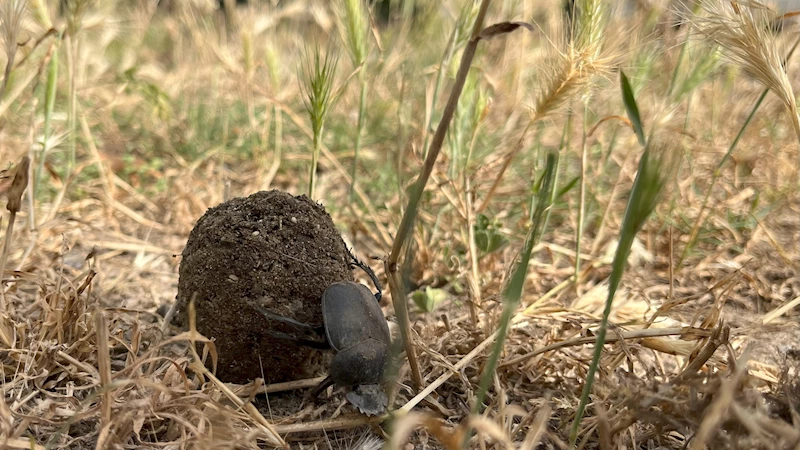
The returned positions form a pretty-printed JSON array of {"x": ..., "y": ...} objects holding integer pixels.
[{"x": 354, "y": 327}]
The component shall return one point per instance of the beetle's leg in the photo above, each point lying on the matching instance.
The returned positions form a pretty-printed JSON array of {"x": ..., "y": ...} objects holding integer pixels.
[
  {"x": 369, "y": 272},
  {"x": 321, "y": 386},
  {"x": 307, "y": 342},
  {"x": 277, "y": 317},
  {"x": 320, "y": 331}
]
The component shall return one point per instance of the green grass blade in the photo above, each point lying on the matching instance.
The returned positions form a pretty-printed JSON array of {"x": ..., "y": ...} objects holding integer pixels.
[
  {"x": 513, "y": 291},
  {"x": 49, "y": 103},
  {"x": 640, "y": 204},
  {"x": 632, "y": 108},
  {"x": 654, "y": 171},
  {"x": 718, "y": 170}
]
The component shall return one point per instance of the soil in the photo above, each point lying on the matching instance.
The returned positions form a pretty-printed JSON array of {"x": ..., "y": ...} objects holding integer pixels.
[{"x": 270, "y": 250}]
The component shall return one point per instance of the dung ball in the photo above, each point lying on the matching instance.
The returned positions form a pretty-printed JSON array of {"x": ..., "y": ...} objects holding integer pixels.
[{"x": 250, "y": 260}]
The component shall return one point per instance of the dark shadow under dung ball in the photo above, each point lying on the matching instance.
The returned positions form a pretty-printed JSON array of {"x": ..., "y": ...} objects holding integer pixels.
[{"x": 271, "y": 252}]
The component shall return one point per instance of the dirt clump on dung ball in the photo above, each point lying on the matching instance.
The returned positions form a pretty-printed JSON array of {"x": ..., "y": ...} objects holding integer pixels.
[{"x": 269, "y": 252}]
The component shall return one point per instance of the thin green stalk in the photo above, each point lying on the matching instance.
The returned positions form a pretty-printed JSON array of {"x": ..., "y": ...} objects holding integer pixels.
[
  {"x": 72, "y": 101},
  {"x": 718, "y": 170},
  {"x": 362, "y": 112},
  {"x": 353, "y": 22},
  {"x": 654, "y": 171},
  {"x": 410, "y": 214},
  {"x": 582, "y": 201},
  {"x": 445, "y": 61},
  {"x": 478, "y": 105},
  {"x": 513, "y": 291},
  {"x": 564, "y": 144},
  {"x": 598, "y": 239},
  {"x": 402, "y": 134},
  {"x": 682, "y": 53},
  {"x": 277, "y": 115},
  {"x": 715, "y": 176},
  {"x": 49, "y": 103},
  {"x": 312, "y": 178}
]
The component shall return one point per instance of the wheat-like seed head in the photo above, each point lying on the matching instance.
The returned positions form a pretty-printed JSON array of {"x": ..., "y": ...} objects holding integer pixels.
[
  {"x": 591, "y": 19},
  {"x": 591, "y": 54},
  {"x": 41, "y": 13},
  {"x": 317, "y": 73},
  {"x": 741, "y": 29},
  {"x": 571, "y": 73},
  {"x": 11, "y": 14},
  {"x": 353, "y": 23}
]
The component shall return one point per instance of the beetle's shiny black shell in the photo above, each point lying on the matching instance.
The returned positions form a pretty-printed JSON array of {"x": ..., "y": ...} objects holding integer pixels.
[
  {"x": 352, "y": 316},
  {"x": 360, "y": 364}
]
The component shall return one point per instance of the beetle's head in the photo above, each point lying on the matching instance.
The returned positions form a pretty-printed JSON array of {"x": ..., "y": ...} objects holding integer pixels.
[
  {"x": 362, "y": 367},
  {"x": 369, "y": 399}
]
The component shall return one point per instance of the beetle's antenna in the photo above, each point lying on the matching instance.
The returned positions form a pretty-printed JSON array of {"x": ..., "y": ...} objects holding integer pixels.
[{"x": 368, "y": 270}]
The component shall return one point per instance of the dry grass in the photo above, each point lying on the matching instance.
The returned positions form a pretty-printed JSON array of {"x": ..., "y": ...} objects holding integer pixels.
[{"x": 173, "y": 116}]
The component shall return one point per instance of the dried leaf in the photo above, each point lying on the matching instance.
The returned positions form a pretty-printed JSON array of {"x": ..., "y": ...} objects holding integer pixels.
[
  {"x": 18, "y": 185},
  {"x": 503, "y": 28}
]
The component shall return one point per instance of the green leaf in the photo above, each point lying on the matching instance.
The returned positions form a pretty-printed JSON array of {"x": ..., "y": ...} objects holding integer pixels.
[
  {"x": 488, "y": 237},
  {"x": 567, "y": 187},
  {"x": 631, "y": 108},
  {"x": 428, "y": 299},
  {"x": 513, "y": 291}
]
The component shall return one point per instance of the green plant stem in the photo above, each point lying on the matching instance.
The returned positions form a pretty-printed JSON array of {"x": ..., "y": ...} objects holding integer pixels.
[
  {"x": 561, "y": 146},
  {"x": 445, "y": 61},
  {"x": 513, "y": 292},
  {"x": 627, "y": 235},
  {"x": 473, "y": 248},
  {"x": 276, "y": 156},
  {"x": 582, "y": 201},
  {"x": 312, "y": 178},
  {"x": 598, "y": 238},
  {"x": 715, "y": 176},
  {"x": 362, "y": 112},
  {"x": 409, "y": 216},
  {"x": 682, "y": 53},
  {"x": 49, "y": 103},
  {"x": 72, "y": 53}
]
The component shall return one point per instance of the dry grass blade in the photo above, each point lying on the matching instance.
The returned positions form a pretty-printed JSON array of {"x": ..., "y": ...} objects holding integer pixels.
[
  {"x": 715, "y": 413},
  {"x": 340, "y": 423},
  {"x": 268, "y": 429},
  {"x": 446, "y": 376},
  {"x": 14, "y": 204},
  {"x": 104, "y": 369},
  {"x": 538, "y": 428}
]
